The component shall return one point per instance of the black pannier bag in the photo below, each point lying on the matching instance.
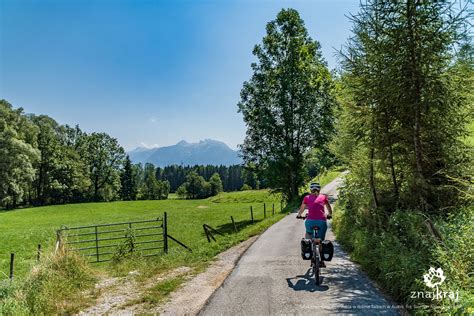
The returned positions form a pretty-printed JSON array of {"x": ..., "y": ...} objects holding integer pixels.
[
  {"x": 306, "y": 249},
  {"x": 328, "y": 250}
]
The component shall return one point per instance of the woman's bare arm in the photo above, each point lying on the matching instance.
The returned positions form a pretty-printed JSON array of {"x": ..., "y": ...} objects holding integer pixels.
[
  {"x": 328, "y": 206},
  {"x": 302, "y": 208}
]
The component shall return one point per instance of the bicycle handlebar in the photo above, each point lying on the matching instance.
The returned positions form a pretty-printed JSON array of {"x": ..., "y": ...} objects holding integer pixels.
[{"x": 304, "y": 217}]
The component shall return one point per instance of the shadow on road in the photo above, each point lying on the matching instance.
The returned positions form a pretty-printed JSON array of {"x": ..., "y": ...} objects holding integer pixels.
[{"x": 306, "y": 282}]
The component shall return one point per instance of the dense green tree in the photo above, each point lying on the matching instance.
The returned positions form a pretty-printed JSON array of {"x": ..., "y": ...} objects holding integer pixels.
[
  {"x": 18, "y": 154},
  {"x": 104, "y": 157},
  {"x": 165, "y": 189},
  {"x": 152, "y": 188},
  {"x": 128, "y": 181},
  {"x": 60, "y": 173},
  {"x": 216, "y": 184},
  {"x": 251, "y": 177},
  {"x": 196, "y": 186},
  {"x": 49, "y": 147},
  {"x": 287, "y": 104},
  {"x": 181, "y": 191},
  {"x": 317, "y": 160},
  {"x": 404, "y": 108}
]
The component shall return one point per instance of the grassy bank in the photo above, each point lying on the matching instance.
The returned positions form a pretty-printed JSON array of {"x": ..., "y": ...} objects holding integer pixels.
[{"x": 400, "y": 253}]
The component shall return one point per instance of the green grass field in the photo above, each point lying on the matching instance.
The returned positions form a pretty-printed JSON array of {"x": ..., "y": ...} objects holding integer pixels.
[
  {"x": 22, "y": 230},
  {"x": 64, "y": 283}
]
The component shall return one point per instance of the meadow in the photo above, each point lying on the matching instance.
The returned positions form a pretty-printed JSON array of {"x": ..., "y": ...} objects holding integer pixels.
[
  {"x": 64, "y": 283},
  {"x": 22, "y": 230}
]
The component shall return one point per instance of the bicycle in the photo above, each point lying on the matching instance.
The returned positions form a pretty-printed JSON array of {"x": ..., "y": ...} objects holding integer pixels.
[{"x": 316, "y": 258}]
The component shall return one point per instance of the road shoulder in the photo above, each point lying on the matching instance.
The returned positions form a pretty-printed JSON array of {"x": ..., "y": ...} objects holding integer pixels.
[{"x": 194, "y": 294}]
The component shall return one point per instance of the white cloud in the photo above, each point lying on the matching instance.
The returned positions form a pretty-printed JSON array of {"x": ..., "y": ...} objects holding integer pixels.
[
  {"x": 143, "y": 144},
  {"x": 153, "y": 120}
]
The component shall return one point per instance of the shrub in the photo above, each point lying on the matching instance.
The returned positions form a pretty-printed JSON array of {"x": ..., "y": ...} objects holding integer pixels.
[
  {"x": 455, "y": 255},
  {"x": 246, "y": 187},
  {"x": 125, "y": 249},
  {"x": 397, "y": 254},
  {"x": 57, "y": 284}
]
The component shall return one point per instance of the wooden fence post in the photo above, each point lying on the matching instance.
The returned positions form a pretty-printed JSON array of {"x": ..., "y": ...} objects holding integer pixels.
[
  {"x": 206, "y": 232},
  {"x": 165, "y": 232},
  {"x": 96, "y": 243},
  {"x": 12, "y": 260},
  {"x": 251, "y": 213},
  {"x": 233, "y": 223},
  {"x": 264, "y": 211},
  {"x": 59, "y": 243},
  {"x": 38, "y": 255},
  {"x": 273, "y": 209}
]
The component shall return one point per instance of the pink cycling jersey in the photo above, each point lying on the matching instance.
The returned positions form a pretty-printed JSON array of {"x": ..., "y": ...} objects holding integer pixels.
[{"x": 315, "y": 204}]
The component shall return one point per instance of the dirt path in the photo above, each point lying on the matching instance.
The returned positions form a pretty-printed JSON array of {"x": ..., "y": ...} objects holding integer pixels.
[{"x": 118, "y": 296}]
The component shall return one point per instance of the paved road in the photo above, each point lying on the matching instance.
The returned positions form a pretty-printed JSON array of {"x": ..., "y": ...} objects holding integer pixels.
[{"x": 271, "y": 278}]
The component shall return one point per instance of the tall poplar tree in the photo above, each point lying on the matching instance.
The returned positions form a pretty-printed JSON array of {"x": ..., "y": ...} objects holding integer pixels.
[{"x": 287, "y": 103}]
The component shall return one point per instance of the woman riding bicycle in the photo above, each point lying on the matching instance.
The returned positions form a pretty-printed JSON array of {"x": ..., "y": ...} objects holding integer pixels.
[{"x": 315, "y": 203}]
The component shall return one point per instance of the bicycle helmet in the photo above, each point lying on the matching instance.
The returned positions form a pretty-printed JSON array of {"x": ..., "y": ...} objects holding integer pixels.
[{"x": 315, "y": 186}]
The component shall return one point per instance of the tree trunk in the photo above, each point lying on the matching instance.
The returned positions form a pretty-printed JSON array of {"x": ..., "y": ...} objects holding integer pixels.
[
  {"x": 96, "y": 188},
  {"x": 416, "y": 100},
  {"x": 390, "y": 156},
  {"x": 372, "y": 178},
  {"x": 371, "y": 168}
]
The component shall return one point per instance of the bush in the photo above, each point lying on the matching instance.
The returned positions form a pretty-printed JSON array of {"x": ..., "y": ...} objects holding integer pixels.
[
  {"x": 455, "y": 255},
  {"x": 246, "y": 187},
  {"x": 398, "y": 253},
  {"x": 125, "y": 249},
  {"x": 55, "y": 286},
  {"x": 182, "y": 192}
]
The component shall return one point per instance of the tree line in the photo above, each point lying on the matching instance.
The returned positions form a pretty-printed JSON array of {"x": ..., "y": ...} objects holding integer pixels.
[
  {"x": 232, "y": 177},
  {"x": 43, "y": 162},
  {"x": 149, "y": 182}
]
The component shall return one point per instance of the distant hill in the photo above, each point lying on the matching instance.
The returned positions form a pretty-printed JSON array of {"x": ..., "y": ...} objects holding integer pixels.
[{"x": 206, "y": 152}]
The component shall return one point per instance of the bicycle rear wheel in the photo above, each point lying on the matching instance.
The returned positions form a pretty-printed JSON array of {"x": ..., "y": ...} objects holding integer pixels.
[{"x": 316, "y": 266}]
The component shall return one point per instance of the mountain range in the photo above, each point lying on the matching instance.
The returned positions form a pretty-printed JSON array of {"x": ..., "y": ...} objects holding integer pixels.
[{"x": 205, "y": 152}]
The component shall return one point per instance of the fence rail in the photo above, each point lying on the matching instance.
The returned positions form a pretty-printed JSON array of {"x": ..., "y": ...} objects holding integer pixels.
[{"x": 210, "y": 231}]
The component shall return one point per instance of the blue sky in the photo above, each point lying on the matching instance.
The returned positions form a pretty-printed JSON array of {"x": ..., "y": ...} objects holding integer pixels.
[{"x": 149, "y": 73}]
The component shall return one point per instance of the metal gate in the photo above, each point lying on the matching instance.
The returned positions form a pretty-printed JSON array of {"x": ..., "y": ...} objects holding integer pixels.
[{"x": 101, "y": 242}]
